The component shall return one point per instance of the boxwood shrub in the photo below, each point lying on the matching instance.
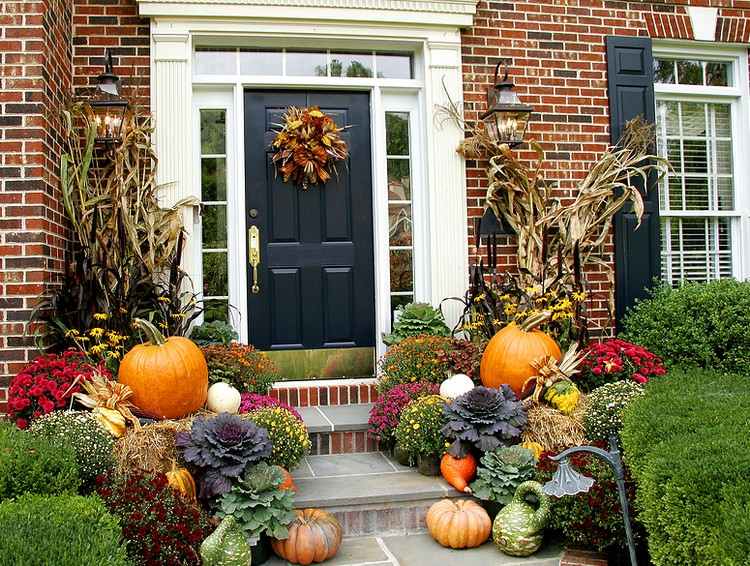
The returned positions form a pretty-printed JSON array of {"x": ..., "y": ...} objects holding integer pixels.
[
  {"x": 29, "y": 464},
  {"x": 687, "y": 442},
  {"x": 64, "y": 530},
  {"x": 697, "y": 324}
]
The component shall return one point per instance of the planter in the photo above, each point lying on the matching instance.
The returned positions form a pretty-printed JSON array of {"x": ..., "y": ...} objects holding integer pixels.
[
  {"x": 261, "y": 551},
  {"x": 428, "y": 465},
  {"x": 401, "y": 456}
]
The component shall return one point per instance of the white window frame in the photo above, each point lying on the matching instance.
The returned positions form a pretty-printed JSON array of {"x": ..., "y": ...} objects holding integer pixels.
[
  {"x": 738, "y": 97},
  {"x": 403, "y": 95}
]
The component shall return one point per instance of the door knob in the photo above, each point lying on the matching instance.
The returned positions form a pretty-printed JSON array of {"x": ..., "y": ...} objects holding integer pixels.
[{"x": 253, "y": 255}]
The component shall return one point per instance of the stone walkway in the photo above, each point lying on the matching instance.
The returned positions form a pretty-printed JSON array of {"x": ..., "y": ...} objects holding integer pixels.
[{"x": 421, "y": 550}]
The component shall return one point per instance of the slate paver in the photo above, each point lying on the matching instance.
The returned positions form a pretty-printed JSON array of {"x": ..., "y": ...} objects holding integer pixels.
[
  {"x": 348, "y": 417},
  {"x": 314, "y": 419},
  {"x": 349, "y": 464}
]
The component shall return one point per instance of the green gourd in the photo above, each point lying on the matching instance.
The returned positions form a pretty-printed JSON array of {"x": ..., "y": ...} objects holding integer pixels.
[
  {"x": 518, "y": 529},
  {"x": 226, "y": 546}
]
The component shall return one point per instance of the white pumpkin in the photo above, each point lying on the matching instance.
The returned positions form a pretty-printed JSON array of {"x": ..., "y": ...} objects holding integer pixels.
[
  {"x": 456, "y": 386},
  {"x": 223, "y": 398}
]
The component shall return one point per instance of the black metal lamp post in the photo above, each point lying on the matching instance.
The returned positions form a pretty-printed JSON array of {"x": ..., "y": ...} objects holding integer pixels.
[
  {"x": 108, "y": 106},
  {"x": 568, "y": 481},
  {"x": 507, "y": 117}
]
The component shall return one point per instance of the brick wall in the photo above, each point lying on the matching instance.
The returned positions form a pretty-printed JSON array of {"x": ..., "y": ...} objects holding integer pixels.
[
  {"x": 35, "y": 54},
  {"x": 558, "y": 63}
]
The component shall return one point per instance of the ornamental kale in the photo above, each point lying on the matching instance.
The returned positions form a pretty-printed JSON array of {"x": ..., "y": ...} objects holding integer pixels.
[
  {"x": 501, "y": 471},
  {"x": 483, "y": 418},
  {"x": 223, "y": 446},
  {"x": 417, "y": 319},
  {"x": 258, "y": 505}
]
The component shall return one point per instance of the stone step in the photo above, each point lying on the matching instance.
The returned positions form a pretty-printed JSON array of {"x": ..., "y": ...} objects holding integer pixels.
[
  {"x": 338, "y": 429},
  {"x": 421, "y": 550},
  {"x": 369, "y": 493}
]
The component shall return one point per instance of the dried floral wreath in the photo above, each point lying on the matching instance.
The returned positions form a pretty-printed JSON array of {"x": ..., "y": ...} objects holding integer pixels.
[{"x": 308, "y": 146}]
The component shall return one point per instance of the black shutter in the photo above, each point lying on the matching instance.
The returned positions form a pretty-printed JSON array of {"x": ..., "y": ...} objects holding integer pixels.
[{"x": 630, "y": 74}]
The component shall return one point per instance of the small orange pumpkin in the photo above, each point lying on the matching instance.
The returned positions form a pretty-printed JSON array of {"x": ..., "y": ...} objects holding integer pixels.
[
  {"x": 458, "y": 523},
  {"x": 314, "y": 536},
  {"x": 182, "y": 480},
  {"x": 168, "y": 376},
  {"x": 288, "y": 482},
  {"x": 459, "y": 471},
  {"x": 508, "y": 356}
]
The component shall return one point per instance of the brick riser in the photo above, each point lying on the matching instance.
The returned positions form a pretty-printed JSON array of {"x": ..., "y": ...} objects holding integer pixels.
[
  {"x": 323, "y": 395},
  {"x": 407, "y": 518},
  {"x": 342, "y": 442}
]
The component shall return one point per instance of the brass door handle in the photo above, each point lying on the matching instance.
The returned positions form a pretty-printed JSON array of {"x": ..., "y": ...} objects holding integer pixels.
[{"x": 253, "y": 255}]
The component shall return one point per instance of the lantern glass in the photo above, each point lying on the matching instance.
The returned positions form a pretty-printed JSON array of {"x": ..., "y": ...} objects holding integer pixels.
[
  {"x": 109, "y": 115},
  {"x": 507, "y": 117}
]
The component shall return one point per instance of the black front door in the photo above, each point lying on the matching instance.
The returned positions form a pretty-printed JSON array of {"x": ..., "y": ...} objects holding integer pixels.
[{"x": 315, "y": 282}]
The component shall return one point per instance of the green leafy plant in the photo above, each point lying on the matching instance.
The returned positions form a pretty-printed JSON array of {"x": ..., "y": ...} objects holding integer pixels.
[
  {"x": 697, "y": 324},
  {"x": 483, "y": 419},
  {"x": 240, "y": 365},
  {"x": 64, "y": 530},
  {"x": 687, "y": 442},
  {"x": 93, "y": 445},
  {"x": 214, "y": 332},
  {"x": 257, "y": 503},
  {"x": 501, "y": 471},
  {"x": 602, "y": 416},
  {"x": 415, "y": 319},
  {"x": 29, "y": 464},
  {"x": 288, "y": 435},
  {"x": 416, "y": 358},
  {"x": 419, "y": 430}
]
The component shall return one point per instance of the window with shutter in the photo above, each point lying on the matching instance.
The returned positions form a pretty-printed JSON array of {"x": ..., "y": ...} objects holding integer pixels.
[{"x": 701, "y": 205}]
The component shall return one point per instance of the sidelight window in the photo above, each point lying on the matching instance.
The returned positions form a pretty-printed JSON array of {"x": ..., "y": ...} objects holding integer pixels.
[{"x": 214, "y": 247}]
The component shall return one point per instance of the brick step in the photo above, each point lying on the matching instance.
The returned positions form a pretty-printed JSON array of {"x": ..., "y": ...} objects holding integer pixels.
[
  {"x": 339, "y": 429},
  {"x": 369, "y": 493}
]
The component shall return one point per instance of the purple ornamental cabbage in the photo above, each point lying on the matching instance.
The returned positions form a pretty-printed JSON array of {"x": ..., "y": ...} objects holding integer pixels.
[
  {"x": 222, "y": 447},
  {"x": 484, "y": 418}
]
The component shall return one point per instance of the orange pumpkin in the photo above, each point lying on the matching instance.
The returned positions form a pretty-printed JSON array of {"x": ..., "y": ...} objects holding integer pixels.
[
  {"x": 314, "y": 536},
  {"x": 508, "y": 356},
  {"x": 459, "y": 523},
  {"x": 168, "y": 376},
  {"x": 182, "y": 480},
  {"x": 288, "y": 482},
  {"x": 459, "y": 471}
]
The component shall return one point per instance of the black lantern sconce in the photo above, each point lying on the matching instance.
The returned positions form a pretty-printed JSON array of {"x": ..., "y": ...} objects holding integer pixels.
[
  {"x": 507, "y": 117},
  {"x": 568, "y": 481},
  {"x": 488, "y": 229},
  {"x": 108, "y": 106}
]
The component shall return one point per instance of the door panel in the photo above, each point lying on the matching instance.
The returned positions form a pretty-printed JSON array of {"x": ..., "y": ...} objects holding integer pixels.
[{"x": 316, "y": 275}]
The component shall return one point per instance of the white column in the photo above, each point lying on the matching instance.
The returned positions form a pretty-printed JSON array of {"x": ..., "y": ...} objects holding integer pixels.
[
  {"x": 449, "y": 255},
  {"x": 171, "y": 104}
]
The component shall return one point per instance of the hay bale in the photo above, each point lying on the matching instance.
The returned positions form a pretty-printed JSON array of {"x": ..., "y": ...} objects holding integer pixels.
[
  {"x": 551, "y": 428},
  {"x": 152, "y": 447}
]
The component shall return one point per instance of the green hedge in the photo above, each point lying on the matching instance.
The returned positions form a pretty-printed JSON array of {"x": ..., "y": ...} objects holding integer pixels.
[
  {"x": 29, "y": 464},
  {"x": 687, "y": 442},
  {"x": 698, "y": 324},
  {"x": 64, "y": 530}
]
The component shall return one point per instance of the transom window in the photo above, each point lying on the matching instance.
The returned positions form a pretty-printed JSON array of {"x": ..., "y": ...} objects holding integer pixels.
[
  {"x": 701, "y": 214},
  {"x": 303, "y": 63}
]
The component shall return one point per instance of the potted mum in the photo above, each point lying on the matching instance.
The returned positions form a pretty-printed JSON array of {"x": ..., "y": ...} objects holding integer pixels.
[{"x": 419, "y": 433}]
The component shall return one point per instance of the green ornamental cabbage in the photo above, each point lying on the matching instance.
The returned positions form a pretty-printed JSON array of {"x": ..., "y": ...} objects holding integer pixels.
[
  {"x": 226, "y": 546},
  {"x": 416, "y": 319},
  {"x": 501, "y": 471}
]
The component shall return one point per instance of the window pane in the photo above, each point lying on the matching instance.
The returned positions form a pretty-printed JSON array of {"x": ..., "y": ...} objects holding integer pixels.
[
  {"x": 397, "y": 133},
  {"x": 722, "y": 120},
  {"x": 213, "y": 132},
  {"x": 215, "y": 62},
  {"x": 394, "y": 66},
  {"x": 717, "y": 73},
  {"x": 399, "y": 301},
  {"x": 213, "y": 178},
  {"x": 402, "y": 278},
  {"x": 696, "y": 249},
  {"x": 664, "y": 71},
  {"x": 214, "y": 223},
  {"x": 693, "y": 119},
  {"x": 259, "y": 62},
  {"x": 695, "y": 157},
  {"x": 351, "y": 64},
  {"x": 690, "y": 72},
  {"x": 399, "y": 179},
  {"x": 216, "y": 309},
  {"x": 399, "y": 222},
  {"x": 306, "y": 64},
  {"x": 696, "y": 194},
  {"x": 215, "y": 278}
]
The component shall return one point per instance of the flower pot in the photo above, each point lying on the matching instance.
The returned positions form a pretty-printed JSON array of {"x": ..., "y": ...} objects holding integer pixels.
[
  {"x": 401, "y": 456},
  {"x": 261, "y": 551},
  {"x": 428, "y": 465}
]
